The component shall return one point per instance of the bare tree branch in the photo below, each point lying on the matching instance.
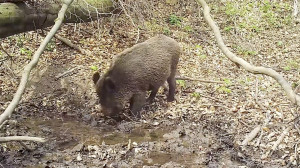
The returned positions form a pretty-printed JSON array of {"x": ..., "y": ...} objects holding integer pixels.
[
  {"x": 279, "y": 140},
  {"x": 200, "y": 80},
  {"x": 251, "y": 135},
  {"x": 70, "y": 44},
  {"x": 21, "y": 138},
  {"x": 13, "y": 104},
  {"x": 253, "y": 69},
  {"x": 295, "y": 12}
]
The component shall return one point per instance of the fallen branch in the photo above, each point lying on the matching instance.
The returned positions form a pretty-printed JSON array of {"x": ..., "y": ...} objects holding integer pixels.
[
  {"x": 6, "y": 121},
  {"x": 1, "y": 47},
  {"x": 17, "y": 97},
  {"x": 267, "y": 120},
  {"x": 25, "y": 146},
  {"x": 200, "y": 80},
  {"x": 21, "y": 138},
  {"x": 251, "y": 135},
  {"x": 65, "y": 73},
  {"x": 9, "y": 122},
  {"x": 279, "y": 140},
  {"x": 296, "y": 157},
  {"x": 253, "y": 69},
  {"x": 70, "y": 44},
  {"x": 295, "y": 12}
]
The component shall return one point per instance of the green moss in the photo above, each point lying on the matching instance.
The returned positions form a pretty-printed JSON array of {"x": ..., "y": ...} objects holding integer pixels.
[{"x": 10, "y": 13}]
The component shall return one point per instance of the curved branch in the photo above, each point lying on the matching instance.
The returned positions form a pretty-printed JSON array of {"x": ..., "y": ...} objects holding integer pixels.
[
  {"x": 253, "y": 69},
  {"x": 13, "y": 104}
]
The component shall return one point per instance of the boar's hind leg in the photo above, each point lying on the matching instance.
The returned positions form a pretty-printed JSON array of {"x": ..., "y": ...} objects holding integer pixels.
[
  {"x": 154, "y": 90},
  {"x": 137, "y": 102},
  {"x": 172, "y": 86}
]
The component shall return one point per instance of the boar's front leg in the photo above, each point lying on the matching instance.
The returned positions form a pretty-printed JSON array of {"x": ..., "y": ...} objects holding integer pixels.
[
  {"x": 154, "y": 91},
  {"x": 137, "y": 102}
]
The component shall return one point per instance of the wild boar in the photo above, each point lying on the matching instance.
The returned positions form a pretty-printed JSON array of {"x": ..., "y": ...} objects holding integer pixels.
[{"x": 141, "y": 68}]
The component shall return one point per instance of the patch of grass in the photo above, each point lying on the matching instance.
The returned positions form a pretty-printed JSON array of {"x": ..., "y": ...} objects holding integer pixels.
[
  {"x": 94, "y": 68},
  {"x": 287, "y": 68},
  {"x": 196, "y": 95},
  {"x": 231, "y": 9},
  {"x": 153, "y": 26},
  {"x": 224, "y": 89},
  {"x": 245, "y": 52},
  {"x": 292, "y": 64},
  {"x": 202, "y": 56},
  {"x": 227, "y": 81},
  {"x": 228, "y": 28},
  {"x": 25, "y": 51},
  {"x": 166, "y": 31},
  {"x": 294, "y": 85},
  {"x": 279, "y": 43},
  {"x": 175, "y": 20},
  {"x": 188, "y": 29},
  {"x": 181, "y": 83},
  {"x": 51, "y": 46},
  {"x": 199, "y": 51},
  {"x": 198, "y": 47},
  {"x": 20, "y": 41}
]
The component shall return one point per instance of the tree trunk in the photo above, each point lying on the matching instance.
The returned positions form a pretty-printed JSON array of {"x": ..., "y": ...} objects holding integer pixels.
[{"x": 21, "y": 17}]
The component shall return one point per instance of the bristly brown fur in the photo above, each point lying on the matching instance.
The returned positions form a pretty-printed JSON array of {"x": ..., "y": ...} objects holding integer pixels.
[{"x": 145, "y": 66}]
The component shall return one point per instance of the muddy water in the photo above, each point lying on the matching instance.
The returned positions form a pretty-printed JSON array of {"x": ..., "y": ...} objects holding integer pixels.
[{"x": 76, "y": 132}]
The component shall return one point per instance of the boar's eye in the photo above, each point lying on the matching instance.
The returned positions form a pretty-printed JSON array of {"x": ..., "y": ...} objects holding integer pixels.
[{"x": 109, "y": 84}]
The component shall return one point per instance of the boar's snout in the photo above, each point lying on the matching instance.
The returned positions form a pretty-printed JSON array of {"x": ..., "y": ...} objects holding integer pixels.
[{"x": 112, "y": 111}]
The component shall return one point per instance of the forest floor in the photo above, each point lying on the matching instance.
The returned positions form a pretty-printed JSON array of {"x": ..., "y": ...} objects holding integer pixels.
[{"x": 206, "y": 124}]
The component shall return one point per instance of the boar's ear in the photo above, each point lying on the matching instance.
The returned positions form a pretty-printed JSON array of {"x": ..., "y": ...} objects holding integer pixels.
[
  {"x": 96, "y": 77},
  {"x": 109, "y": 84}
]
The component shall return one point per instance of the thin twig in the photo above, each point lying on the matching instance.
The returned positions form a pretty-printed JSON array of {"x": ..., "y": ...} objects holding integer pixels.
[
  {"x": 25, "y": 146},
  {"x": 70, "y": 44},
  {"x": 1, "y": 47},
  {"x": 211, "y": 98},
  {"x": 256, "y": 95},
  {"x": 279, "y": 140},
  {"x": 65, "y": 73},
  {"x": 8, "y": 55},
  {"x": 267, "y": 120},
  {"x": 200, "y": 80},
  {"x": 3, "y": 123}
]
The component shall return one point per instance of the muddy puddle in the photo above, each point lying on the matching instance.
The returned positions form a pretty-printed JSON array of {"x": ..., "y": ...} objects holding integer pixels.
[{"x": 81, "y": 133}]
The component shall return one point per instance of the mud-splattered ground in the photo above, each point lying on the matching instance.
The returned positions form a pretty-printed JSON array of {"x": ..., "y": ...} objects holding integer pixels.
[{"x": 204, "y": 127}]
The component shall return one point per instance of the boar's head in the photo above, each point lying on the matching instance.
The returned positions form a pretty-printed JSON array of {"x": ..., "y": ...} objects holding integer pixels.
[{"x": 107, "y": 92}]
